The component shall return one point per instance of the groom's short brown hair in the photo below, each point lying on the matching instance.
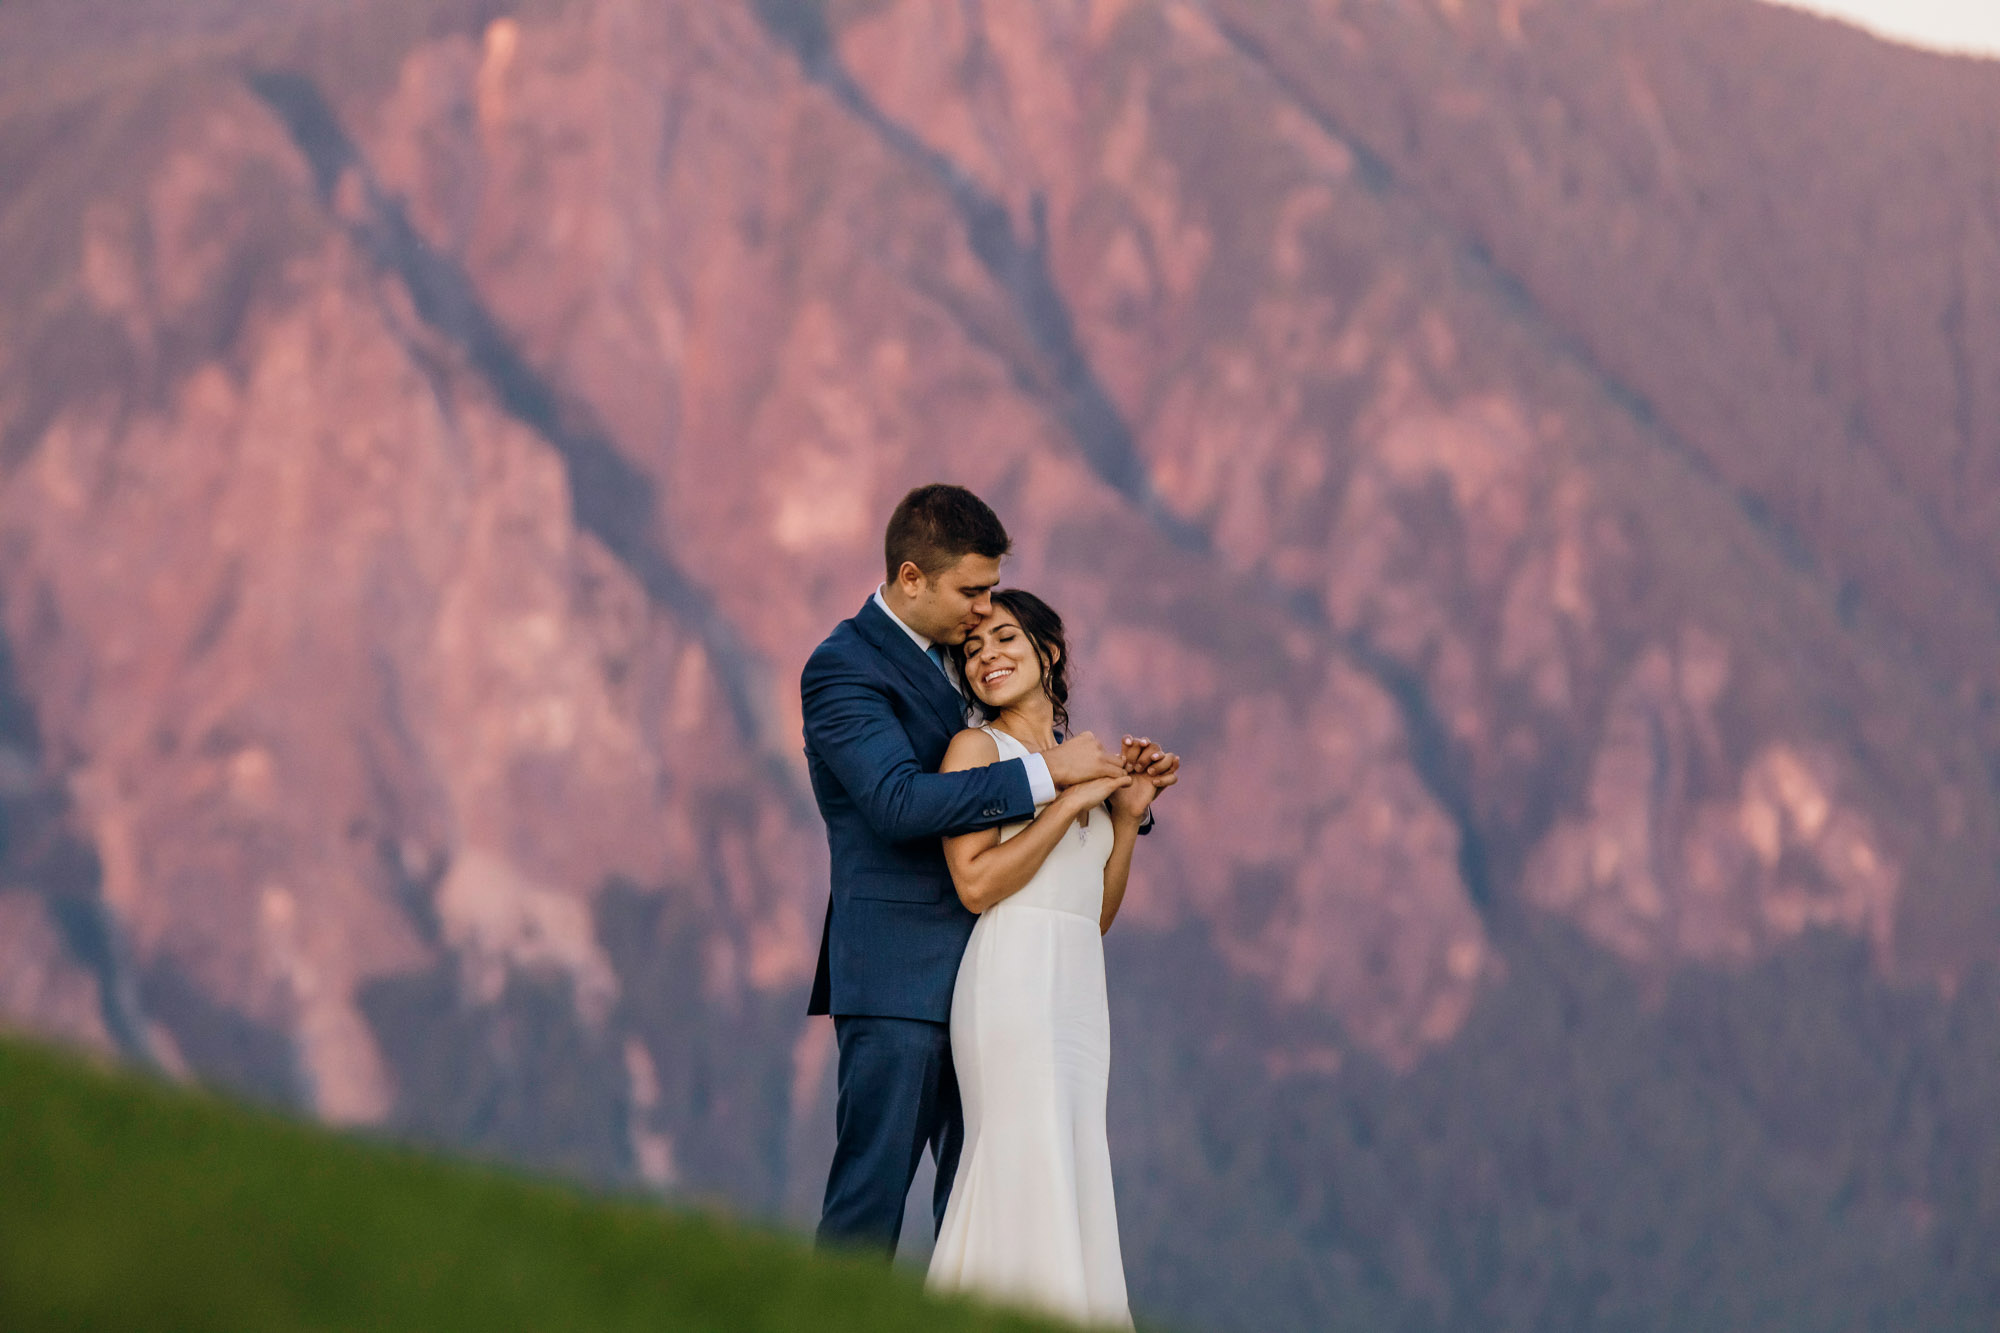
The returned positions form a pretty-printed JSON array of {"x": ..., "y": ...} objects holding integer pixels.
[{"x": 938, "y": 525}]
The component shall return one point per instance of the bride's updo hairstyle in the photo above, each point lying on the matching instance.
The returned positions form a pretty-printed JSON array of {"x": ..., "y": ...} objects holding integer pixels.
[{"x": 1044, "y": 628}]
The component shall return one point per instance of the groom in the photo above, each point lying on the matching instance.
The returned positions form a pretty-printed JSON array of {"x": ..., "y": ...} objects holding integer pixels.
[{"x": 882, "y": 699}]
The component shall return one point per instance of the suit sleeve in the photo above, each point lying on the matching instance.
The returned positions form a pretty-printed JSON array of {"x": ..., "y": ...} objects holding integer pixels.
[{"x": 852, "y": 728}]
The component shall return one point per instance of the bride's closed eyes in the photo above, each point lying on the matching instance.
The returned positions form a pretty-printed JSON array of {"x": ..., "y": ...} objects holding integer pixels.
[{"x": 974, "y": 645}]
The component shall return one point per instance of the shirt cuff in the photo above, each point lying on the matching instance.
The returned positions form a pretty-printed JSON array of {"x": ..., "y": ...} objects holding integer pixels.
[{"x": 1040, "y": 785}]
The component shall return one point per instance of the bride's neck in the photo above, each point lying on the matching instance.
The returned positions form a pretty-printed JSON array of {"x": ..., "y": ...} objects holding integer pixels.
[{"x": 1031, "y": 721}]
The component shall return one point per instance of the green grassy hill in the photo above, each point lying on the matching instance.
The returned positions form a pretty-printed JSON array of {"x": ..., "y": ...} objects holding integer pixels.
[{"x": 127, "y": 1205}]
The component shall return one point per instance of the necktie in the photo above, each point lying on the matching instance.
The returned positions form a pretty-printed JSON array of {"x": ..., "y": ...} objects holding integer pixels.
[{"x": 936, "y": 652}]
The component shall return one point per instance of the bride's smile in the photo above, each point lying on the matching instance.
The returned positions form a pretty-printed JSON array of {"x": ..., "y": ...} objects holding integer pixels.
[{"x": 1001, "y": 665}]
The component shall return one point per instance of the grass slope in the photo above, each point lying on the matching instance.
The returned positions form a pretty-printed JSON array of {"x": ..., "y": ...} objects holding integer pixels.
[{"x": 128, "y": 1205}]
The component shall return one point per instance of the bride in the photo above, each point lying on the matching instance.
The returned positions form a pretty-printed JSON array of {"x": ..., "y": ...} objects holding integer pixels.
[{"x": 1030, "y": 1216}]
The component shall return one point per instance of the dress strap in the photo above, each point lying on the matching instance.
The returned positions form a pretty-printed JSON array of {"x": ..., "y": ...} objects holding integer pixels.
[{"x": 1009, "y": 747}]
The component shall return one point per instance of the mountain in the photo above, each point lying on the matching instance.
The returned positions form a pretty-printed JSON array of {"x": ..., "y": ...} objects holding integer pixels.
[{"x": 1538, "y": 463}]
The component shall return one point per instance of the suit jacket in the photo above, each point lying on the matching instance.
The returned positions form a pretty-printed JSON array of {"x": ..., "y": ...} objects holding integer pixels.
[{"x": 878, "y": 718}]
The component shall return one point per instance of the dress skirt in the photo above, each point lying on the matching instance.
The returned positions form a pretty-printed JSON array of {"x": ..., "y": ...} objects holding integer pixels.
[{"x": 1031, "y": 1217}]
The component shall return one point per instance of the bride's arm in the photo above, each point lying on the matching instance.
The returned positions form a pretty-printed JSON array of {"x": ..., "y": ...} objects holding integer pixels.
[
  {"x": 986, "y": 870},
  {"x": 1128, "y": 813},
  {"x": 1125, "y": 836}
]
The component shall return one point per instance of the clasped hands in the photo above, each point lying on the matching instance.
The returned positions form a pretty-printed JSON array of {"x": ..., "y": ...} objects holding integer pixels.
[{"x": 1129, "y": 776}]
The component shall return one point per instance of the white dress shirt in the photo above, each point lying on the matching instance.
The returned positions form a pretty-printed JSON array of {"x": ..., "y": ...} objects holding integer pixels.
[{"x": 1040, "y": 784}]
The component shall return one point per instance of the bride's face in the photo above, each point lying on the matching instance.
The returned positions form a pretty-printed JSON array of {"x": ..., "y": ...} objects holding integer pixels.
[{"x": 1000, "y": 662}]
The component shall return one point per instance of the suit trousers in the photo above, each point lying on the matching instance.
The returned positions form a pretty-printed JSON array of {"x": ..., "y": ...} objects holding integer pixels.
[{"x": 898, "y": 1094}]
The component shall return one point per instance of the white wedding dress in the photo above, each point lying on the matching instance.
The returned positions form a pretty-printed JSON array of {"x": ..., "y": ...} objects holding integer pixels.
[{"x": 1031, "y": 1218}]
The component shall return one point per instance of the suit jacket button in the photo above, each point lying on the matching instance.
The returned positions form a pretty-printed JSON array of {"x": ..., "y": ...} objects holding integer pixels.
[{"x": 993, "y": 812}]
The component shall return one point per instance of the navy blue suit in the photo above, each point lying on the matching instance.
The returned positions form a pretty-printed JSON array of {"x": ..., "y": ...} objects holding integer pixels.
[{"x": 879, "y": 715}]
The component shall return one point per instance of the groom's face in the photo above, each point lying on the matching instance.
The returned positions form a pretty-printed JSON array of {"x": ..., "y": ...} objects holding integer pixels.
[{"x": 949, "y": 607}]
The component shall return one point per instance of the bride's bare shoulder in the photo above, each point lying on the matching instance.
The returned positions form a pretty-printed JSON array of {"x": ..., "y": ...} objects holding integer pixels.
[{"x": 971, "y": 748}]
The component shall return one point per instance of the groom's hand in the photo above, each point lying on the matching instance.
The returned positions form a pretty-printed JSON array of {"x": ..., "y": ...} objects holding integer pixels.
[{"x": 1082, "y": 758}]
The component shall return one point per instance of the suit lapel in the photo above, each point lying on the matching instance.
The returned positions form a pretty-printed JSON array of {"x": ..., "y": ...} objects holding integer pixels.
[{"x": 922, "y": 673}]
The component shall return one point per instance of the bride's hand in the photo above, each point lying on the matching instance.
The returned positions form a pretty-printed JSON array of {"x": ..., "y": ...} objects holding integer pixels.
[
  {"x": 1085, "y": 796},
  {"x": 1145, "y": 760},
  {"x": 1142, "y": 758},
  {"x": 1131, "y": 803}
]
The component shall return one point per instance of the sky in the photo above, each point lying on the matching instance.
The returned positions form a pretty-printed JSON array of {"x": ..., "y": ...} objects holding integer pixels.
[{"x": 1971, "y": 26}]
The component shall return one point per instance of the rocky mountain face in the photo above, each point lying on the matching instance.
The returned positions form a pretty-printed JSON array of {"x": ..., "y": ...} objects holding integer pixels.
[{"x": 1539, "y": 463}]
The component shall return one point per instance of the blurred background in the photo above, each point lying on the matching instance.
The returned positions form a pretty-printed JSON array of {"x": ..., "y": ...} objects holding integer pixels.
[{"x": 1538, "y": 460}]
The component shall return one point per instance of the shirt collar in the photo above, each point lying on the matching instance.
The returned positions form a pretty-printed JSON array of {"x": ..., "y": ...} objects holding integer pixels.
[{"x": 923, "y": 644}]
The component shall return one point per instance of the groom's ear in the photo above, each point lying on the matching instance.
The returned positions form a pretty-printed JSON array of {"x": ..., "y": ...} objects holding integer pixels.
[{"x": 910, "y": 578}]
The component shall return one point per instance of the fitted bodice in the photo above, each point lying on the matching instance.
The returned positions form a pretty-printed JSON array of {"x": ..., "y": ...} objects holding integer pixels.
[{"x": 1072, "y": 879}]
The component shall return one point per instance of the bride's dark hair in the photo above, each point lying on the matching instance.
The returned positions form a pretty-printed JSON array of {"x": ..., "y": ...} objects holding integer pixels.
[{"x": 1044, "y": 628}]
